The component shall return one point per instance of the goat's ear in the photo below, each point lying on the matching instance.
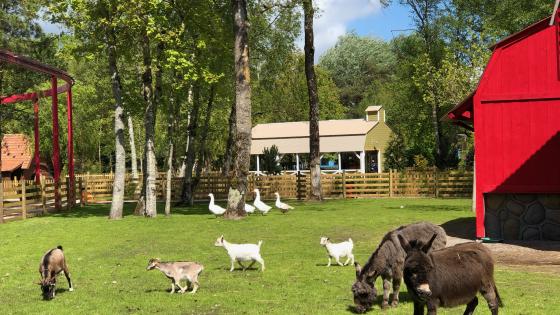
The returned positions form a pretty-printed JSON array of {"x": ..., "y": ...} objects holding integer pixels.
[
  {"x": 427, "y": 247},
  {"x": 358, "y": 269},
  {"x": 404, "y": 243}
]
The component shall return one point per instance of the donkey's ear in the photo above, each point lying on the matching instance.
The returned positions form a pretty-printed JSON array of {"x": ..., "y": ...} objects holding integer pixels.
[
  {"x": 404, "y": 243},
  {"x": 358, "y": 269},
  {"x": 427, "y": 247}
]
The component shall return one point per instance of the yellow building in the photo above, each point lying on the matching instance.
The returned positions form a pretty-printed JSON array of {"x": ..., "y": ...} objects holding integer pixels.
[{"x": 356, "y": 144}]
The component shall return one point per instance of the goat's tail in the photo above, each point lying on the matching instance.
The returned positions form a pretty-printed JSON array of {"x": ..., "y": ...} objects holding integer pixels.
[
  {"x": 500, "y": 303},
  {"x": 259, "y": 244},
  {"x": 59, "y": 247},
  {"x": 350, "y": 240}
]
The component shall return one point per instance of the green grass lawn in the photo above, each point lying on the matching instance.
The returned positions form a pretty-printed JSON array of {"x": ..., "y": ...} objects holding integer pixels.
[{"x": 107, "y": 261}]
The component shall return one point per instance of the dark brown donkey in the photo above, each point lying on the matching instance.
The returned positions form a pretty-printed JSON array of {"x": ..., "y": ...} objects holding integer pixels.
[
  {"x": 53, "y": 263},
  {"x": 449, "y": 277},
  {"x": 387, "y": 262}
]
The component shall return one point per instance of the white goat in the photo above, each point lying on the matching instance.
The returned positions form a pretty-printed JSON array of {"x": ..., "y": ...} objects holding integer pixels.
[
  {"x": 337, "y": 250},
  {"x": 241, "y": 252},
  {"x": 177, "y": 271}
]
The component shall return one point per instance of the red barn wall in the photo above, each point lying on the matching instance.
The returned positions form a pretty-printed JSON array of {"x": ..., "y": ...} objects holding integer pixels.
[{"x": 517, "y": 119}]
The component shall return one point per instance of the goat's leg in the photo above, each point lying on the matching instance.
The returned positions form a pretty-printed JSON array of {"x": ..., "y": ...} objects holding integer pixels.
[
  {"x": 347, "y": 260},
  {"x": 352, "y": 257},
  {"x": 471, "y": 306},
  {"x": 337, "y": 258},
  {"x": 251, "y": 264},
  {"x": 172, "y": 286},
  {"x": 329, "y": 264},
  {"x": 261, "y": 261},
  {"x": 67, "y": 275},
  {"x": 242, "y": 266},
  {"x": 232, "y": 266},
  {"x": 178, "y": 283},
  {"x": 386, "y": 289},
  {"x": 194, "y": 283}
]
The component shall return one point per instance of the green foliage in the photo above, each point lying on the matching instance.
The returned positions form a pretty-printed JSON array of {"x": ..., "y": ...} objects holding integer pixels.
[
  {"x": 396, "y": 153},
  {"x": 269, "y": 160}
]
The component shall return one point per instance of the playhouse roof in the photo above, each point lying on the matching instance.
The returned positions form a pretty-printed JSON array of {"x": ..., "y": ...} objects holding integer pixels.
[{"x": 15, "y": 152}]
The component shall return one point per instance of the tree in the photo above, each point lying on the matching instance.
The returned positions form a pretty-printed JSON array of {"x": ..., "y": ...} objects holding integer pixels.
[
  {"x": 314, "y": 150},
  {"x": 236, "y": 197},
  {"x": 270, "y": 160}
]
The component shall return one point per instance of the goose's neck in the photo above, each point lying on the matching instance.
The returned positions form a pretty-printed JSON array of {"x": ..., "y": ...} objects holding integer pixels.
[
  {"x": 258, "y": 197},
  {"x": 277, "y": 198},
  {"x": 212, "y": 200}
]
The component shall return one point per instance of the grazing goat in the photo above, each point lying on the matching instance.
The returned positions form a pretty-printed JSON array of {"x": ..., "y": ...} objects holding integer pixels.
[
  {"x": 449, "y": 277},
  {"x": 387, "y": 262},
  {"x": 177, "y": 271},
  {"x": 52, "y": 263},
  {"x": 241, "y": 252},
  {"x": 337, "y": 250}
]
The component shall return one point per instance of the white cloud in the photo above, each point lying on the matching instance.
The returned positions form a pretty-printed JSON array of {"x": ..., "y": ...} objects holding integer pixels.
[{"x": 333, "y": 18}]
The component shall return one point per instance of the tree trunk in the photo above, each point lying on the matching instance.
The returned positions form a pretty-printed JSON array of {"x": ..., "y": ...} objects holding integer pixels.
[
  {"x": 170, "y": 127},
  {"x": 133, "y": 159},
  {"x": 236, "y": 197},
  {"x": 203, "y": 138},
  {"x": 186, "y": 192},
  {"x": 314, "y": 150},
  {"x": 228, "y": 156},
  {"x": 150, "y": 175},
  {"x": 120, "y": 153}
]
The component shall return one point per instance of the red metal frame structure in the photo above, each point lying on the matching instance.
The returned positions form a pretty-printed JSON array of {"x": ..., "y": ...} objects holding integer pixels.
[
  {"x": 514, "y": 112},
  {"x": 55, "y": 74}
]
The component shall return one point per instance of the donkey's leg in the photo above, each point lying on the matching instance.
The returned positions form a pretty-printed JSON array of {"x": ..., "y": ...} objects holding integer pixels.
[
  {"x": 67, "y": 275},
  {"x": 432, "y": 307},
  {"x": 471, "y": 306},
  {"x": 489, "y": 294},
  {"x": 396, "y": 288},
  {"x": 386, "y": 289},
  {"x": 418, "y": 308}
]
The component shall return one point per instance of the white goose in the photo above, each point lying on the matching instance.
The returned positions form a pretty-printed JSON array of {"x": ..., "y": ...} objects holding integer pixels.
[
  {"x": 280, "y": 205},
  {"x": 214, "y": 208},
  {"x": 264, "y": 208},
  {"x": 249, "y": 208}
]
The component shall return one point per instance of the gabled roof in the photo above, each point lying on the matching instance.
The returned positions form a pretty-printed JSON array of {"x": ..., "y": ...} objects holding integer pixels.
[
  {"x": 373, "y": 108},
  {"x": 300, "y": 129},
  {"x": 15, "y": 152}
]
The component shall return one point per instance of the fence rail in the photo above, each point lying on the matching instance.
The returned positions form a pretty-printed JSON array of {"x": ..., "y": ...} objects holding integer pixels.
[{"x": 22, "y": 199}]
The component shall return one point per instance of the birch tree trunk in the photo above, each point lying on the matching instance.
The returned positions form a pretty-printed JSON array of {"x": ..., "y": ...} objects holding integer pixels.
[
  {"x": 228, "y": 156},
  {"x": 314, "y": 150},
  {"x": 236, "y": 197},
  {"x": 120, "y": 152},
  {"x": 133, "y": 159},
  {"x": 170, "y": 127},
  {"x": 186, "y": 192},
  {"x": 150, "y": 175}
]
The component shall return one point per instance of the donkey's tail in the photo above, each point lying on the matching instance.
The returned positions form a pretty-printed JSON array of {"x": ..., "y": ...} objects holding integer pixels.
[{"x": 498, "y": 298}]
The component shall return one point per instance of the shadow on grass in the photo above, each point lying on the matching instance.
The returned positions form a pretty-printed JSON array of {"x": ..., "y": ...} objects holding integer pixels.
[
  {"x": 403, "y": 297},
  {"x": 461, "y": 228},
  {"x": 102, "y": 210},
  {"x": 439, "y": 208}
]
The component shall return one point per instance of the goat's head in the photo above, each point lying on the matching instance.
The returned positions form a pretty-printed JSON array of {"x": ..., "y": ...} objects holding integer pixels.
[
  {"x": 363, "y": 290},
  {"x": 152, "y": 263},
  {"x": 220, "y": 241},
  {"x": 48, "y": 287},
  {"x": 417, "y": 266},
  {"x": 324, "y": 240}
]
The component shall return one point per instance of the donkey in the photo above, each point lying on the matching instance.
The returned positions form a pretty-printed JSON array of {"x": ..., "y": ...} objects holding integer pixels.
[
  {"x": 53, "y": 263},
  {"x": 449, "y": 277},
  {"x": 387, "y": 262}
]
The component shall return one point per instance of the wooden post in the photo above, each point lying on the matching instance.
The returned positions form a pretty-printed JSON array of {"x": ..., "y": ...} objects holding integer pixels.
[
  {"x": 43, "y": 194},
  {"x": 344, "y": 184},
  {"x": 1, "y": 200},
  {"x": 23, "y": 201},
  {"x": 81, "y": 190},
  {"x": 68, "y": 193},
  {"x": 390, "y": 182},
  {"x": 436, "y": 188}
]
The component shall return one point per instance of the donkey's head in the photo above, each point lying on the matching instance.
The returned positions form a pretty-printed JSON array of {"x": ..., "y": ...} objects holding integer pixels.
[
  {"x": 363, "y": 290},
  {"x": 417, "y": 266}
]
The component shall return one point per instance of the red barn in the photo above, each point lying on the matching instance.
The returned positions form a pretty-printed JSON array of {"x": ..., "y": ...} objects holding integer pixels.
[{"x": 515, "y": 113}]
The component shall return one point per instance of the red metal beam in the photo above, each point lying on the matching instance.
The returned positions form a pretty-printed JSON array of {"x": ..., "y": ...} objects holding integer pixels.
[
  {"x": 56, "y": 146},
  {"x": 70, "y": 147},
  {"x": 34, "y": 65},
  {"x": 37, "y": 158},
  {"x": 33, "y": 95}
]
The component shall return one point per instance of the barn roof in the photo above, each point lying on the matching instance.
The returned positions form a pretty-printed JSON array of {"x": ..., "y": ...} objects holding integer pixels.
[
  {"x": 293, "y": 137},
  {"x": 15, "y": 152}
]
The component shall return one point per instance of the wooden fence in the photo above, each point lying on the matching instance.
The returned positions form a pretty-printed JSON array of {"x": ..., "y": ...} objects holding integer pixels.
[{"x": 24, "y": 199}]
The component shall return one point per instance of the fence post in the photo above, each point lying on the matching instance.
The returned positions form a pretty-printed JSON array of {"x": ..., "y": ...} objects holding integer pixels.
[
  {"x": 1, "y": 200},
  {"x": 23, "y": 200},
  {"x": 436, "y": 189},
  {"x": 344, "y": 184},
  {"x": 391, "y": 182},
  {"x": 43, "y": 192},
  {"x": 81, "y": 191}
]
